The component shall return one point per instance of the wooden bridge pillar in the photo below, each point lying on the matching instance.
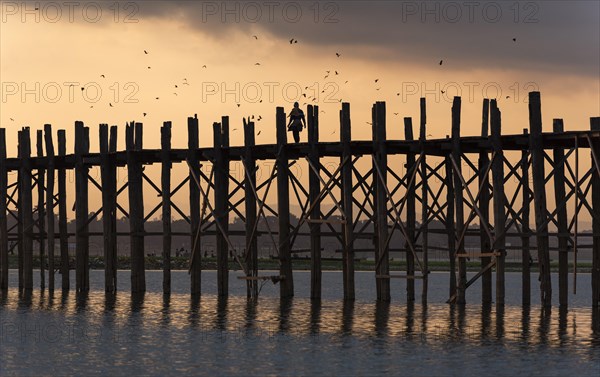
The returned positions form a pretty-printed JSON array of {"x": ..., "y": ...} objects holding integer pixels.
[
  {"x": 499, "y": 201},
  {"x": 411, "y": 216},
  {"x": 450, "y": 228},
  {"x": 561, "y": 217},
  {"x": 526, "y": 231},
  {"x": 62, "y": 213},
  {"x": 380, "y": 200},
  {"x": 347, "y": 196},
  {"x": 41, "y": 209},
  {"x": 165, "y": 158},
  {"x": 50, "y": 218},
  {"x": 136, "y": 206},
  {"x": 221, "y": 145},
  {"x": 286, "y": 287},
  {"x": 192, "y": 155},
  {"x": 26, "y": 208},
  {"x": 424, "y": 199},
  {"x": 595, "y": 126},
  {"x": 539, "y": 196},
  {"x": 484, "y": 208},
  {"x": 82, "y": 247},
  {"x": 314, "y": 189},
  {"x": 251, "y": 251},
  {"x": 108, "y": 172},
  {"x": 3, "y": 212},
  {"x": 459, "y": 202}
]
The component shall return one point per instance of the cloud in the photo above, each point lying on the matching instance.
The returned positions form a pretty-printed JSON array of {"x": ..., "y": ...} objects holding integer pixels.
[{"x": 551, "y": 36}]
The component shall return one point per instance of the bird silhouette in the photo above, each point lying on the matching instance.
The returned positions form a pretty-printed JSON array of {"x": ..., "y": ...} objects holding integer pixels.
[
  {"x": 398, "y": 94},
  {"x": 507, "y": 97},
  {"x": 441, "y": 61},
  {"x": 12, "y": 120},
  {"x": 337, "y": 54},
  {"x": 395, "y": 113},
  {"x": 369, "y": 123},
  {"x": 235, "y": 129},
  {"x": 258, "y": 133},
  {"x": 103, "y": 76},
  {"x": 377, "y": 88},
  {"x": 174, "y": 93},
  {"x": 259, "y": 118},
  {"x": 514, "y": 39},
  {"x": 157, "y": 97},
  {"x": 149, "y": 67},
  {"x": 145, "y": 52},
  {"x": 238, "y": 105},
  {"x": 110, "y": 104},
  {"x": 336, "y": 72},
  {"x": 256, "y": 63},
  {"x": 91, "y": 107},
  {"x": 145, "y": 114},
  {"x": 204, "y": 66},
  {"x": 346, "y": 82},
  {"x": 376, "y": 80},
  {"x": 443, "y": 92},
  {"x": 333, "y": 132},
  {"x": 255, "y": 37}
]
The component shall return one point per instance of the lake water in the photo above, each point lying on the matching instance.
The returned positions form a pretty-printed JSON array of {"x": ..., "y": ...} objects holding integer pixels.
[{"x": 96, "y": 334}]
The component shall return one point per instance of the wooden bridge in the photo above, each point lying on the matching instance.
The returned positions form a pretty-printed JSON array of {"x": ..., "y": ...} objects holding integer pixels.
[{"x": 455, "y": 181}]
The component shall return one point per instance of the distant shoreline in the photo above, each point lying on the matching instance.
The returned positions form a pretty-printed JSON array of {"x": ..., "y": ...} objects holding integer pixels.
[{"x": 181, "y": 263}]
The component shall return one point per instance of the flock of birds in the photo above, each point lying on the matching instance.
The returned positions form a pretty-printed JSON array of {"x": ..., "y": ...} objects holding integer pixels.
[{"x": 258, "y": 118}]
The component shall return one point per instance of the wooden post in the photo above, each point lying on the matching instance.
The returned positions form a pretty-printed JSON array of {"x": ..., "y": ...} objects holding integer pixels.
[
  {"x": 411, "y": 216},
  {"x": 136, "y": 207},
  {"x": 381, "y": 213},
  {"x": 484, "y": 208},
  {"x": 62, "y": 212},
  {"x": 539, "y": 196},
  {"x": 50, "y": 218},
  {"x": 424, "y": 199},
  {"x": 499, "y": 201},
  {"x": 196, "y": 262},
  {"x": 595, "y": 126},
  {"x": 81, "y": 209},
  {"x": 221, "y": 194},
  {"x": 26, "y": 208},
  {"x": 41, "y": 209},
  {"x": 165, "y": 142},
  {"x": 458, "y": 197},
  {"x": 3, "y": 211},
  {"x": 109, "y": 205},
  {"x": 286, "y": 287},
  {"x": 525, "y": 255},
  {"x": 561, "y": 217},
  {"x": 347, "y": 196},
  {"x": 314, "y": 188},
  {"x": 251, "y": 256},
  {"x": 20, "y": 214},
  {"x": 450, "y": 229}
]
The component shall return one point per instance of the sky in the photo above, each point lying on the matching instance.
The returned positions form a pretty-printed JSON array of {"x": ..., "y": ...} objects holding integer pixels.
[{"x": 155, "y": 61}]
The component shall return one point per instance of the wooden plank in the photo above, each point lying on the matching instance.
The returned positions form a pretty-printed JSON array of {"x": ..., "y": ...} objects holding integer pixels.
[
  {"x": 499, "y": 201},
  {"x": 50, "y": 218},
  {"x": 165, "y": 142},
  {"x": 411, "y": 216},
  {"x": 196, "y": 262},
  {"x": 484, "y": 209},
  {"x": 314, "y": 188},
  {"x": 595, "y": 126},
  {"x": 41, "y": 209},
  {"x": 379, "y": 124},
  {"x": 525, "y": 245},
  {"x": 20, "y": 248},
  {"x": 424, "y": 199},
  {"x": 250, "y": 209},
  {"x": 26, "y": 207},
  {"x": 81, "y": 210},
  {"x": 539, "y": 196},
  {"x": 136, "y": 207},
  {"x": 62, "y": 213},
  {"x": 286, "y": 287},
  {"x": 3, "y": 211},
  {"x": 561, "y": 218},
  {"x": 347, "y": 202}
]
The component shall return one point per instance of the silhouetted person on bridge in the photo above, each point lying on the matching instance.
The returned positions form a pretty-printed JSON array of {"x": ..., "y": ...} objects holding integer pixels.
[{"x": 297, "y": 122}]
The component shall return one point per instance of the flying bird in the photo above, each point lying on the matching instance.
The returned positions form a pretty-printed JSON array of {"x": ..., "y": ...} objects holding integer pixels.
[
  {"x": 376, "y": 80},
  {"x": 395, "y": 113},
  {"x": 145, "y": 52},
  {"x": 145, "y": 114},
  {"x": 443, "y": 92},
  {"x": 204, "y": 66},
  {"x": 336, "y": 72},
  {"x": 507, "y": 97},
  {"x": 398, "y": 94},
  {"x": 12, "y": 120},
  {"x": 174, "y": 93},
  {"x": 256, "y": 63},
  {"x": 258, "y": 133},
  {"x": 238, "y": 105},
  {"x": 292, "y": 41},
  {"x": 255, "y": 37},
  {"x": 346, "y": 82},
  {"x": 82, "y": 88},
  {"x": 441, "y": 61},
  {"x": 514, "y": 39},
  {"x": 337, "y": 54},
  {"x": 110, "y": 104},
  {"x": 149, "y": 67},
  {"x": 157, "y": 97},
  {"x": 176, "y": 86},
  {"x": 103, "y": 76}
]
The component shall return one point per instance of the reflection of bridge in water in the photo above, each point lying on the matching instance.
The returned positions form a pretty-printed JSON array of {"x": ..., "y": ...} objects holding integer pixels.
[{"x": 456, "y": 182}]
